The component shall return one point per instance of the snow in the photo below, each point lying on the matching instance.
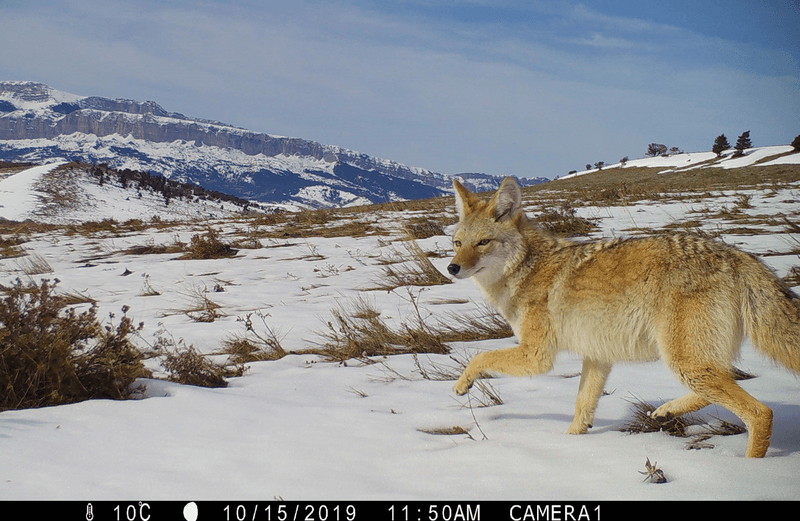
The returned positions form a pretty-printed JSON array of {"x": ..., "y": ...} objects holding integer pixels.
[
  {"x": 294, "y": 429},
  {"x": 688, "y": 161},
  {"x": 19, "y": 201},
  {"x": 303, "y": 428},
  {"x": 50, "y": 97},
  {"x": 753, "y": 155},
  {"x": 17, "y": 195}
]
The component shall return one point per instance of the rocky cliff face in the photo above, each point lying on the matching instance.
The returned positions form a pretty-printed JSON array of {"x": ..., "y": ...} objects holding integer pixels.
[{"x": 38, "y": 122}]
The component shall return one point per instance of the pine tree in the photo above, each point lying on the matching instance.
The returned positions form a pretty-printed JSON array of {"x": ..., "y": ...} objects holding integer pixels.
[
  {"x": 720, "y": 145},
  {"x": 796, "y": 143},
  {"x": 742, "y": 144}
]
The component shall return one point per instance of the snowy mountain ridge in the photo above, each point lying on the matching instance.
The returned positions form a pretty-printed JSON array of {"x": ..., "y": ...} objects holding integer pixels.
[{"x": 42, "y": 124}]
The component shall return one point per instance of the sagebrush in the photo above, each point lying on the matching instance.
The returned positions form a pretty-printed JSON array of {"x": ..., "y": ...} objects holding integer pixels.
[{"x": 53, "y": 354}]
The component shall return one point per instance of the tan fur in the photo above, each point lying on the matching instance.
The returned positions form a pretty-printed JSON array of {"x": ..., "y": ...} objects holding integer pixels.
[{"x": 684, "y": 299}]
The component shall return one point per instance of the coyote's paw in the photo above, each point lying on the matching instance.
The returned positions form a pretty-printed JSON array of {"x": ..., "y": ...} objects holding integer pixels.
[
  {"x": 578, "y": 428},
  {"x": 662, "y": 413},
  {"x": 462, "y": 386}
]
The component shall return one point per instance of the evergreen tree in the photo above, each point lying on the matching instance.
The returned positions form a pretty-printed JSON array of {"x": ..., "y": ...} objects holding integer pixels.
[
  {"x": 742, "y": 144},
  {"x": 796, "y": 143},
  {"x": 720, "y": 145}
]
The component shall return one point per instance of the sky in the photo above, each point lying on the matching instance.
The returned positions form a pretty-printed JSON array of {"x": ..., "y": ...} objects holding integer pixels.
[{"x": 508, "y": 87}]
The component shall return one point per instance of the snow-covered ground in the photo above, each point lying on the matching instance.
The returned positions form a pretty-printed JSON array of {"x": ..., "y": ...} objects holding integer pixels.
[
  {"x": 304, "y": 428},
  {"x": 21, "y": 200},
  {"x": 18, "y": 197}
]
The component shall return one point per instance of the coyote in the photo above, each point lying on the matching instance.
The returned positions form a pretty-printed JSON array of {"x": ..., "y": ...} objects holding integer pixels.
[{"x": 685, "y": 299}]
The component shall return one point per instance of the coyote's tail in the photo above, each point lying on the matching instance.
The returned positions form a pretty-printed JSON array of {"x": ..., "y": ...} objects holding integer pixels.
[{"x": 771, "y": 313}]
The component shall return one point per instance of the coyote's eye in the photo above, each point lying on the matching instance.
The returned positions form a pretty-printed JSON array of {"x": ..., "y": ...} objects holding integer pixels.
[
  {"x": 457, "y": 244},
  {"x": 484, "y": 242}
]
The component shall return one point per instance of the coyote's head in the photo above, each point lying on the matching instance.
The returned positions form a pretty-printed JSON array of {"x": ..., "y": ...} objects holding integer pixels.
[{"x": 487, "y": 238}]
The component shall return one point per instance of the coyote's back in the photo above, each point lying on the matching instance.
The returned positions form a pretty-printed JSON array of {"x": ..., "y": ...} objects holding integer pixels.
[{"x": 685, "y": 299}]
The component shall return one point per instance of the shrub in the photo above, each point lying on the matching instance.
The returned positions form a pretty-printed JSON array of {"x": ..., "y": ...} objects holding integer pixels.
[
  {"x": 51, "y": 354},
  {"x": 656, "y": 149}
]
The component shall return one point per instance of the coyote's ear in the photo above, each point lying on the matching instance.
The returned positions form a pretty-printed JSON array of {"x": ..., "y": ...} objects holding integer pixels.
[
  {"x": 507, "y": 201},
  {"x": 465, "y": 200}
]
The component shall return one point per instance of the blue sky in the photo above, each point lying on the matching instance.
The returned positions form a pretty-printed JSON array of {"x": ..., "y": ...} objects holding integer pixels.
[{"x": 529, "y": 88}]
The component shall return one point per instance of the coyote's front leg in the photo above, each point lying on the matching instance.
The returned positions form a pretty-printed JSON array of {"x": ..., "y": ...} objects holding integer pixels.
[
  {"x": 514, "y": 361},
  {"x": 593, "y": 378},
  {"x": 470, "y": 374}
]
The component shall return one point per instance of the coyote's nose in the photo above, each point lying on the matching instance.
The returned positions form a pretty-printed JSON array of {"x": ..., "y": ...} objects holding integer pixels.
[{"x": 453, "y": 269}]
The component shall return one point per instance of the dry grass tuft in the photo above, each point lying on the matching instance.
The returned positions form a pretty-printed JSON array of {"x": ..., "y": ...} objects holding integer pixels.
[
  {"x": 722, "y": 427},
  {"x": 208, "y": 246},
  {"x": 486, "y": 394},
  {"x": 643, "y": 421},
  {"x": 428, "y": 226},
  {"x": 10, "y": 246},
  {"x": 358, "y": 331},
  {"x": 202, "y": 308},
  {"x": 484, "y": 323},
  {"x": 446, "y": 431},
  {"x": 413, "y": 268},
  {"x": 186, "y": 365},
  {"x": 260, "y": 342},
  {"x": 565, "y": 222},
  {"x": 327, "y": 222},
  {"x": 34, "y": 264},
  {"x": 154, "y": 249}
]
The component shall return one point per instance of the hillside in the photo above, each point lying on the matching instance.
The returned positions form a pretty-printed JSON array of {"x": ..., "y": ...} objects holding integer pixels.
[
  {"x": 347, "y": 338},
  {"x": 61, "y": 193}
]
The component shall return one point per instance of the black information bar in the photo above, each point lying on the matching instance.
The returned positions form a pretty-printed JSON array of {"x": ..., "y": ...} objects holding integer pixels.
[{"x": 279, "y": 510}]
